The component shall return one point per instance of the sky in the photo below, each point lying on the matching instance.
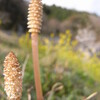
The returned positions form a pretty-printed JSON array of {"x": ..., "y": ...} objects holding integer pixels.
[{"x": 92, "y": 6}]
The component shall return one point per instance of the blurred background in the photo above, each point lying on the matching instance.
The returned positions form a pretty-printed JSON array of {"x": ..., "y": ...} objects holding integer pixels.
[{"x": 69, "y": 48}]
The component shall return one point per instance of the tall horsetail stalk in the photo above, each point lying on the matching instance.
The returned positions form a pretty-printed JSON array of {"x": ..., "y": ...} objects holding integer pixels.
[
  {"x": 12, "y": 77},
  {"x": 35, "y": 13}
]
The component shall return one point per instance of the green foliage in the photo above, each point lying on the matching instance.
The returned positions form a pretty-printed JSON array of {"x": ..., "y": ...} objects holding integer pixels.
[
  {"x": 25, "y": 42},
  {"x": 61, "y": 63},
  {"x": 58, "y": 12}
]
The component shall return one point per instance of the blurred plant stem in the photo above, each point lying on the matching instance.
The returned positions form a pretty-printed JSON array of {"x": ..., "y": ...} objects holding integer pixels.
[
  {"x": 29, "y": 93},
  {"x": 24, "y": 65},
  {"x": 90, "y": 97}
]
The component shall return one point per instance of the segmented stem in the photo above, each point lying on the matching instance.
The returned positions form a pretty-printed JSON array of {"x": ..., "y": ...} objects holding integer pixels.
[{"x": 34, "y": 25}]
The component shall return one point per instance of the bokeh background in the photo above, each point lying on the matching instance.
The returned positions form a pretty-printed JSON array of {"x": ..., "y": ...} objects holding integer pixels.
[{"x": 69, "y": 48}]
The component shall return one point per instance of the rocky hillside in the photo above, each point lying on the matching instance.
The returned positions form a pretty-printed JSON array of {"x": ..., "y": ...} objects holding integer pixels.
[{"x": 13, "y": 15}]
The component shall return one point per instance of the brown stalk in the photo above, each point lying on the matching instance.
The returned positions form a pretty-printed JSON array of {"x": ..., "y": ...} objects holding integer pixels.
[
  {"x": 36, "y": 66},
  {"x": 34, "y": 25}
]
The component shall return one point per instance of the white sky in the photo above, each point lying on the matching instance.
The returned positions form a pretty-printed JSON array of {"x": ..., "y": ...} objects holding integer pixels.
[{"x": 81, "y": 5}]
